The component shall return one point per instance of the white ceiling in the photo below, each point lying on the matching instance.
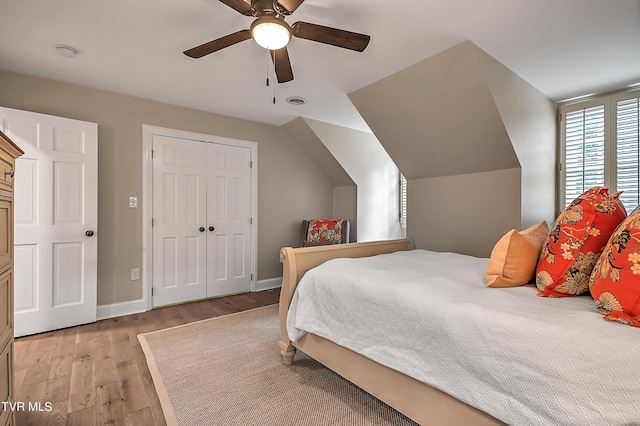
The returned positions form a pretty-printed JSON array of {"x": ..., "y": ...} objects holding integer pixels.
[{"x": 565, "y": 48}]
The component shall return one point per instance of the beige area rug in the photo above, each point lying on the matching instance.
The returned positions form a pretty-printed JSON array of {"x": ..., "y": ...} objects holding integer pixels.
[{"x": 228, "y": 371}]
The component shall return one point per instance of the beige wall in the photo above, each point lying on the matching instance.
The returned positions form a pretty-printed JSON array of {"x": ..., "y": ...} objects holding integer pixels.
[
  {"x": 345, "y": 206},
  {"x": 530, "y": 119},
  {"x": 476, "y": 143},
  {"x": 310, "y": 142},
  {"x": 344, "y": 191},
  {"x": 465, "y": 213},
  {"x": 438, "y": 117},
  {"x": 375, "y": 174},
  {"x": 290, "y": 185}
]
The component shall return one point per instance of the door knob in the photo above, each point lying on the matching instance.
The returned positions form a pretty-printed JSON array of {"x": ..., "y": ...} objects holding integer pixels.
[
  {"x": 211, "y": 228},
  {"x": 201, "y": 229},
  {"x": 89, "y": 233}
]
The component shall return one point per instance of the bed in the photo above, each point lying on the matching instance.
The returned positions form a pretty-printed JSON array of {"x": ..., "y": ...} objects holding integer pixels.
[{"x": 570, "y": 367}]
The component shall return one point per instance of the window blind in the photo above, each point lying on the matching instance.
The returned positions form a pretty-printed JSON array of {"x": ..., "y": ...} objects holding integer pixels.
[
  {"x": 403, "y": 201},
  {"x": 627, "y": 152},
  {"x": 584, "y": 144}
]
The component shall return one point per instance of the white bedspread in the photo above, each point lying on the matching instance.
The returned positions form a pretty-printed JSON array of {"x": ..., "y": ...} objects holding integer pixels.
[{"x": 523, "y": 359}]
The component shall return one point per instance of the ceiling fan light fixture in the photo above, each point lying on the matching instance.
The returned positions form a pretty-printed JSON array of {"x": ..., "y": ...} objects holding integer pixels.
[{"x": 271, "y": 33}]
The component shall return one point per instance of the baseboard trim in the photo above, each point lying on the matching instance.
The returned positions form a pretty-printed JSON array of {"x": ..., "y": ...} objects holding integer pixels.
[
  {"x": 140, "y": 305},
  {"x": 119, "y": 309},
  {"x": 268, "y": 284}
]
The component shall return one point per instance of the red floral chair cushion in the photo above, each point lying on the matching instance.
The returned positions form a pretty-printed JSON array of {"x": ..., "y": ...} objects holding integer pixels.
[
  {"x": 323, "y": 231},
  {"x": 615, "y": 281},
  {"x": 575, "y": 242}
]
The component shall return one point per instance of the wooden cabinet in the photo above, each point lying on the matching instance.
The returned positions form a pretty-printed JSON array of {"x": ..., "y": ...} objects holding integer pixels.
[{"x": 8, "y": 154}]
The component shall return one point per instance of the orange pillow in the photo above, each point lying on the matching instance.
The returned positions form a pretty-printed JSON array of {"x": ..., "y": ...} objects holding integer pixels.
[
  {"x": 615, "y": 281},
  {"x": 514, "y": 257},
  {"x": 575, "y": 242}
]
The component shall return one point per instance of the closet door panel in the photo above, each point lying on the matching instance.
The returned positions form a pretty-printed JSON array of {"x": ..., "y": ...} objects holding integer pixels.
[
  {"x": 179, "y": 220},
  {"x": 229, "y": 217}
]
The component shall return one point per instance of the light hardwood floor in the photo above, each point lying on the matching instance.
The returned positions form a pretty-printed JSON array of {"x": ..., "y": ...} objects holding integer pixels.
[{"x": 96, "y": 374}]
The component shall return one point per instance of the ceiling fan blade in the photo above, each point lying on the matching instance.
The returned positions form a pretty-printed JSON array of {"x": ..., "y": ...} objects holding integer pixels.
[
  {"x": 217, "y": 44},
  {"x": 290, "y": 5},
  {"x": 332, "y": 36},
  {"x": 240, "y": 6},
  {"x": 282, "y": 65}
]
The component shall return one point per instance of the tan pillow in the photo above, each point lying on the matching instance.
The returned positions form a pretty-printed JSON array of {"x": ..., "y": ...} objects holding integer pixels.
[{"x": 514, "y": 258}]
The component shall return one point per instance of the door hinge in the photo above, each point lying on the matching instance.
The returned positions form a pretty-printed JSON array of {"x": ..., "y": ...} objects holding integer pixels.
[
  {"x": 153, "y": 223},
  {"x": 251, "y": 277},
  {"x": 251, "y": 164},
  {"x": 153, "y": 291},
  {"x": 250, "y": 221},
  {"x": 151, "y": 153}
]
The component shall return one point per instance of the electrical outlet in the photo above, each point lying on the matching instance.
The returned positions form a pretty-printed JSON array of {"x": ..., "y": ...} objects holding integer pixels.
[
  {"x": 133, "y": 202},
  {"x": 135, "y": 274}
]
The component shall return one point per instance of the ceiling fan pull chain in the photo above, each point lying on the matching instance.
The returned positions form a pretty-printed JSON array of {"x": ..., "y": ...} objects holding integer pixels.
[
  {"x": 267, "y": 68},
  {"x": 274, "y": 73},
  {"x": 274, "y": 94}
]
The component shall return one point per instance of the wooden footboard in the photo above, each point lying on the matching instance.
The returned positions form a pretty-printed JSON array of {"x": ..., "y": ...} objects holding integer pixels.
[{"x": 297, "y": 261}]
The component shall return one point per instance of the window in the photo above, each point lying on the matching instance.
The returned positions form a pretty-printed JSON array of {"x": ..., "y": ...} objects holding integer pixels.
[
  {"x": 627, "y": 158},
  {"x": 600, "y": 147},
  {"x": 403, "y": 201}
]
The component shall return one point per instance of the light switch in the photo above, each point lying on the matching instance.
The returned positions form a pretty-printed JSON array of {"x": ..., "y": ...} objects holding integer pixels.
[
  {"x": 133, "y": 202},
  {"x": 135, "y": 274}
]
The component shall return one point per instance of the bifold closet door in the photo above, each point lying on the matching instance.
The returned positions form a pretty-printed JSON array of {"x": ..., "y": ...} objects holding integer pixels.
[
  {"x": 201, "y": 220},
  {"x": 179, "y": 220},
  {"x": 229, "y": 213}
]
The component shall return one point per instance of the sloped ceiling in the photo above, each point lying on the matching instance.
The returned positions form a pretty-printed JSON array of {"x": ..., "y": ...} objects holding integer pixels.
[
  {"x": 438, "y": 117},
  {"x": 369, "y": 166},
  {"x": 530, "y": 119},
  {"x": 311, "y": 144}
]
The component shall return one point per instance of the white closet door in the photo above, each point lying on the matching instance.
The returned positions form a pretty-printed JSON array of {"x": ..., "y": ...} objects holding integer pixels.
[
  {"x": 179, "y": 220},
  {"x": 56, "y": 219},
  {"x": 229, "y": 214}
]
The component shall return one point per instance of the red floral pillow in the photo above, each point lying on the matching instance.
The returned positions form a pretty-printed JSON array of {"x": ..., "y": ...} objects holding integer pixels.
[
  {"x": 615, "y": 281},
  {"x": 575, "y": 242}
]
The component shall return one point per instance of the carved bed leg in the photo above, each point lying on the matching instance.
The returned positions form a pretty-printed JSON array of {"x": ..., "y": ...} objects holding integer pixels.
[{"x": 288, "y": 351}]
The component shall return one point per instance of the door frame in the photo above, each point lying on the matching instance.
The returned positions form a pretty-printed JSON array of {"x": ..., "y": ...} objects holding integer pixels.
[{"x": 148, "y": 132}]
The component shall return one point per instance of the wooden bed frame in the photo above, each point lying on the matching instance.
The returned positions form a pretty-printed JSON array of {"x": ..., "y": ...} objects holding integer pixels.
[{"x": 418, "y": 401}]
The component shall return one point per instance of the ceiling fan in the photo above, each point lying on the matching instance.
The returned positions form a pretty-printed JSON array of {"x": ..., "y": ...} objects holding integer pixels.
[{"x": 270, "y": 31}]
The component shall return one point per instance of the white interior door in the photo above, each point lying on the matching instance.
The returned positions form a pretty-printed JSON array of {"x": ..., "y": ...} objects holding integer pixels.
[
  {"x": 201, "y": 226},
  {"x": 179, "y": 220},
  {"x": 56, "y": 219},
  {"x": 229, "y": 213}
]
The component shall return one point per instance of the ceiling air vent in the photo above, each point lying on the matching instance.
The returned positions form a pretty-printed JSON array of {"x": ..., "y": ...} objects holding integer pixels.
[
  {"x": 296, "y": 100},
  {"x": 66, "y": 51}
]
